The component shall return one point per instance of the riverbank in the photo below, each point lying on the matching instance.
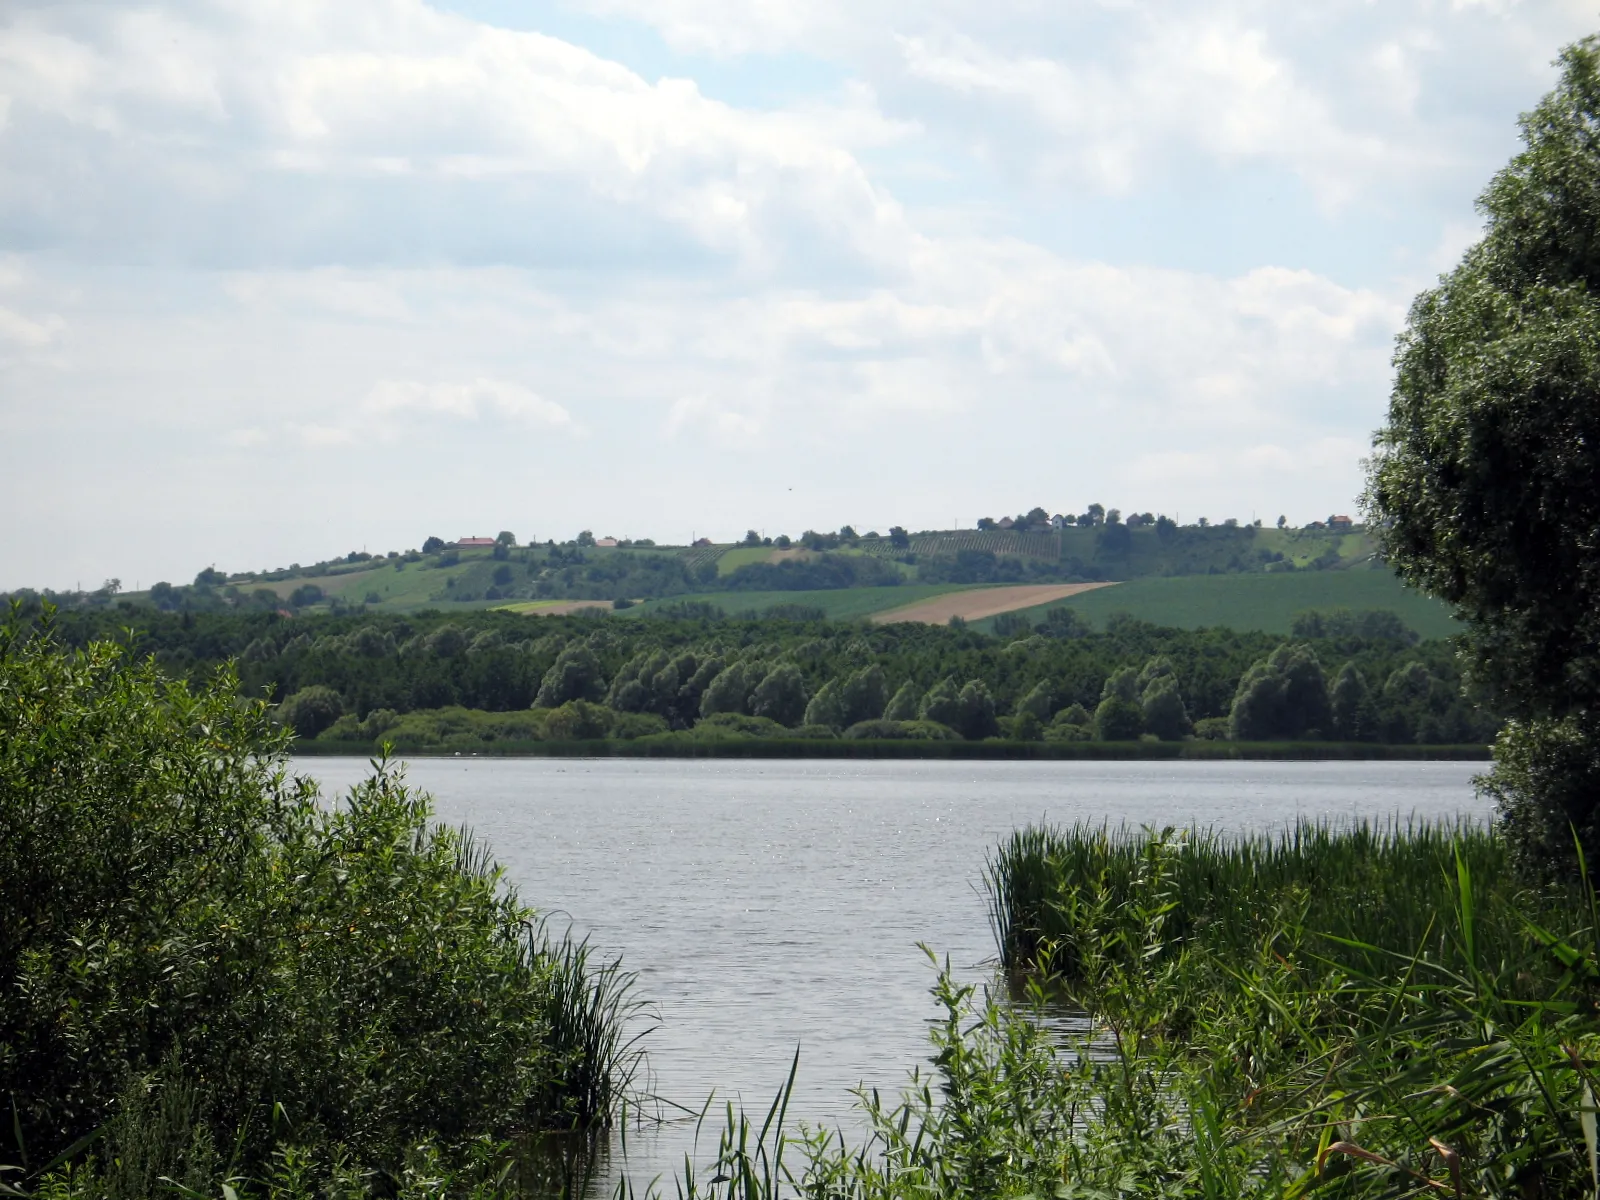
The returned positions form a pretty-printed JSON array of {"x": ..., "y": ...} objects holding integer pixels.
[{"x": 825, "y": 748}]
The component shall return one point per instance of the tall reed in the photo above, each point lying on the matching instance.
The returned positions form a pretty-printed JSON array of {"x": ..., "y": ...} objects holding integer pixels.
[
  {"x": 1359, "y": 1013},
  {"x": 1053, "y": 891}
]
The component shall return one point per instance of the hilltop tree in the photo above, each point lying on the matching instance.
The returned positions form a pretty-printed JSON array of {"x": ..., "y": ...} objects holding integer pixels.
[
  {"x": 1484, "y": 487},
  {"x": 432, "y": 545}
]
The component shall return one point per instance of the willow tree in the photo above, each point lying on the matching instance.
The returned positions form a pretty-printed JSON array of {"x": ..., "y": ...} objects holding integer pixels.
[{"x": 1485, "y": 480}]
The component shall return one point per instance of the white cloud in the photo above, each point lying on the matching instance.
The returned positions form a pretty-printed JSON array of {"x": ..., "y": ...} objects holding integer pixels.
[
  {"x": 1203, "y": 85},
  {"x": 29, "y": 331},
  {"x": 467, "y": 401},
  {"x": 694, "y": 416},
  {"x": 323, "y": 436},
  {"x": 881, "y": 255},
  {"x": 279, "y": 132}
]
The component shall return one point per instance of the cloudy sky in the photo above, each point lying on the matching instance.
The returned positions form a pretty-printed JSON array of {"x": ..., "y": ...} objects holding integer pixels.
[{"x": 284, "y": 278}]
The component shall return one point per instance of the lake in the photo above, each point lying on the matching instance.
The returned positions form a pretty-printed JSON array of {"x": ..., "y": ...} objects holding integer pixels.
[{"x": 773, "y": 904}]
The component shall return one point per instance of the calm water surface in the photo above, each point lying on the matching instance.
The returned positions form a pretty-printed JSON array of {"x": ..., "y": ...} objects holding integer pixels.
[{"x": 772, "y": 904}]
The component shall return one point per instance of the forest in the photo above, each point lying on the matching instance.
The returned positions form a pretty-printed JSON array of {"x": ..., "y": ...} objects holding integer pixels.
[{"x": 431, "y": 680}]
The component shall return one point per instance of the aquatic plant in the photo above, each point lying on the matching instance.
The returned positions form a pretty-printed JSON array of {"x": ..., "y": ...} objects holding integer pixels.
[{"x": 1184, "y": 1029}]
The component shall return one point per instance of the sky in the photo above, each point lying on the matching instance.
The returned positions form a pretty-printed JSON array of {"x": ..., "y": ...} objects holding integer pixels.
[{"x": 281, "y": 279}]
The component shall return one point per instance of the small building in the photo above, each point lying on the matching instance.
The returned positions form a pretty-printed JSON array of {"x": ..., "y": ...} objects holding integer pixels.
[
  {"x": 606, "y": 543},
  {"x": 1058, "y": 522},
  {"x": 1316, "y": 525},
  {"x": 1005, "y": 523},
  {"x": 473, "y": 543},
  {"x": 701, "y": 542},
  {"x": 1340, "y": 523}
]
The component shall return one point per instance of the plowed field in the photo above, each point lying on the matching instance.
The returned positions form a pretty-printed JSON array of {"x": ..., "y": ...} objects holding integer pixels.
[{"x": 978, "y": 603}]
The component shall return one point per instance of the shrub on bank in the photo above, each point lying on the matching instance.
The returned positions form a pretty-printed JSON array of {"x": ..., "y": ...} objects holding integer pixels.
[
  {"x": 925, "y": 731},
  {"x": 191, "y": 935}
]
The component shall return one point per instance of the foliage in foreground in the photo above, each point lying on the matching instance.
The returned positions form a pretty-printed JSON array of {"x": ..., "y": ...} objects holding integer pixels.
[
  {"x": 1187, "y": 1031},
  {"x": 211, "y": 972}
]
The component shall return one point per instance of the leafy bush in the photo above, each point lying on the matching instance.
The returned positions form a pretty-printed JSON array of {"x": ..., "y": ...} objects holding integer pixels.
[
  {"x": 880, "y": 728},
  {"x": 456, "y": 728},
  {"x": 175, "y": 902},
  {"x": 627, "y": 726},
  {"x": 578, "y": 721},
  {"x": 740, "y": 723},
  {"x": 311, "y": 710}
]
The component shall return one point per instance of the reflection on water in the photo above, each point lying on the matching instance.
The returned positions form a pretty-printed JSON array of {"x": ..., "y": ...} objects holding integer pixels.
[{"x": 770, "y": 905}]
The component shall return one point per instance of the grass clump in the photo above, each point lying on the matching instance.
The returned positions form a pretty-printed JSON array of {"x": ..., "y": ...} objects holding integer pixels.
[
  {"x": 1360, "y": 1013},
  {"x": 208, "y": 975}
]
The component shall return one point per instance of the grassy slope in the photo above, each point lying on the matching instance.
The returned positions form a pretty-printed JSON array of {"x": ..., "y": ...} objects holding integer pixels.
[
  {"x": 424, "y": 585},
  {"x": 1187, "y": 552},
  {"x": 1261, "y": 602},
  {"x": 732, "y": 560},
  {"x": 839, "y": 603}
]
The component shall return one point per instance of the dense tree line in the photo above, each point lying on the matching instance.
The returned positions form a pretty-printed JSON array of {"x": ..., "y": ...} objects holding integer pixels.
[{"x": 1356, "y": 677}]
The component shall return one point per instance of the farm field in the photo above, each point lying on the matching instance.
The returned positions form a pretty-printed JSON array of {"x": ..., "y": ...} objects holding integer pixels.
[
  {"x": 1264, "y": 602},
  {"x": 840, "y": 604},
  {"x": 975, "y": 604},
  {"x": 731, "y": 560},
  {"x": 550, "y": 608}
]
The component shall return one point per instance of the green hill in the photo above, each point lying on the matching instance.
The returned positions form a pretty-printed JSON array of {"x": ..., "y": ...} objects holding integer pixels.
[
  {"x": 1242, "y": 576},
  {"x": 838, "y": 604}
]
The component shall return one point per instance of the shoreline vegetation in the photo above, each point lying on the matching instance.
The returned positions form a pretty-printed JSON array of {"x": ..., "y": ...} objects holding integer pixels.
[
  {"x": 1347, "y": 683},
  {"x": 1357, "y": 1012},
  {"x": 213, "y": 982},
  {"x": 1002, "y": 751}
]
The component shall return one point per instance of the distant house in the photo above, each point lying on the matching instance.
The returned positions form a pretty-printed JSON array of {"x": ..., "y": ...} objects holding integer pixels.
[
  {"x": 472, "y": 543},
  {"x": 1005, "y": 523},
  {"x": 1316, "y": 525},
  {"x": 702, "y": 542},
  {"x": 1340, "y": 523},
  {"x": 1058, "y": 522},
  {"x": 606, "y": 542}
]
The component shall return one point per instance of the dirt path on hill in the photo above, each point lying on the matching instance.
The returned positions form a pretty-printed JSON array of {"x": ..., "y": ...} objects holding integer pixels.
[{"x": 978, "y": 603}]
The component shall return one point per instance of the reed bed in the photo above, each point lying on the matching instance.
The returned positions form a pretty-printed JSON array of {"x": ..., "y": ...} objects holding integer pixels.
[
  {"x": 1364, "y": 1011},
  {"x": 1060, "y": 895}
]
